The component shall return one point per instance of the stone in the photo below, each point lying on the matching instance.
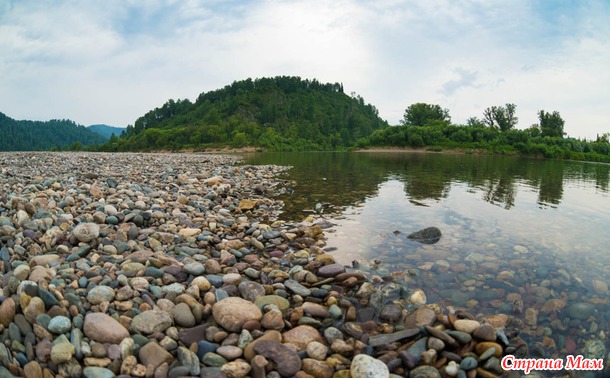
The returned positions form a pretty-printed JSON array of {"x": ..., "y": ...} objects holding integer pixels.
[
  {"x": 387, "y": 338},
  {"x": 580, "y": 310},
  {"x": 429, "y": 235},
  {"x": 62, "y": 352},
  {"x": 302, "y": 335},
  {"x": 97, "y": 372},
  {"x": 153, "y": 354},
  {"x": 482, "y": 347},
  {"x": 316, "y": 368},
  {"x": 104, "y": 329},
  {"x": 485, "y": 332},
  {"x": 317, "y": 350},
  {"x": 7, "y": 311},
  {"x": 86, "y": 232},
  {"x": 364, "y": 366},
  {"x": 236, "y": 369},
  {"x": 466, "y": 325},
  {"x": 287, "y": 360},
  {"x": 282, "y": 303},
  {"x": 151, "y": 321},
  {"x": 269, "y": 335},
  {"x": 183, "y": 316},
  {"x": 331, "y": 270},
  {"x": 231, "y": 313},
  {"x": 32, "y": 370},
  {"x": 100, "y": 294},
  {"x": 425, "y": 372},
  {"x": 422, "y": 316},
  {"x": 59, "y": 324},
  {"x": 189, "y": 359}
]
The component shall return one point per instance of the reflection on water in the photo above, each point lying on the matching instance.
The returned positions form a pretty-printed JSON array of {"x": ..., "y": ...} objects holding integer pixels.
[{"x": 528, "y": 230}]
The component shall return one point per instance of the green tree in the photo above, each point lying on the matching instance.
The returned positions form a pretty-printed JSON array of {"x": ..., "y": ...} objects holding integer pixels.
[
  {"x": 501, "y": 117},
  {"x": 420, "y": 114},
  {"x": 551, "y": 124}
]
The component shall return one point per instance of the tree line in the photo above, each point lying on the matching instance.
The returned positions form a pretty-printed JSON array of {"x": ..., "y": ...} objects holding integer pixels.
[
  {"x": 429, "y": 126},
  {"x": 43, "y": 136},
  {"x": 280, "y": 113}
]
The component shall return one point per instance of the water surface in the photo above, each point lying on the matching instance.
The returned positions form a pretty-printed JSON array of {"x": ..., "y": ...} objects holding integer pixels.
[{"x": 531, "y": 230}]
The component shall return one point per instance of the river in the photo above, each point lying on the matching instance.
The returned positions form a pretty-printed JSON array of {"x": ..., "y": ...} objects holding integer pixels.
[{"x": 525, "y": 237}]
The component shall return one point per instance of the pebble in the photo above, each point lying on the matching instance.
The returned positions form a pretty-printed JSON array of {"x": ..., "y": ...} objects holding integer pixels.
[
  {"x": 364, "y": 366},
  {"x": 174, "y": 264}
]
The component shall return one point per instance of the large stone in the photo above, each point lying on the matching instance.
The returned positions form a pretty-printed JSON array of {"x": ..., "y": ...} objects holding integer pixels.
[
  {"x": 365, "y": 366},
  {"x": 231, "y": 313},
  {"x": 104, "y": 329},
  {"x": 429, "y": 235},
  {"x": 86, "y": 232},
  {"x": 151, "y": 321}
]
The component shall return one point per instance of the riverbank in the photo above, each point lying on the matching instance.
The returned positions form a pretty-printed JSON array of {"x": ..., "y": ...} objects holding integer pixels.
[{"x": 175, "y": 265}]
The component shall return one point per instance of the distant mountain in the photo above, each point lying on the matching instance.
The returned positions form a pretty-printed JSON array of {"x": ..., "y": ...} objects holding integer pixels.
[
  {"x": 44, "y": 136},
  {"x": 106, "y": 131},
  {"x": 280, "y": 113}
]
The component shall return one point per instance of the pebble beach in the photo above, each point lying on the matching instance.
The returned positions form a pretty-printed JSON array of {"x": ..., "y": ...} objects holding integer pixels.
[{"x": 171, "y": 265}]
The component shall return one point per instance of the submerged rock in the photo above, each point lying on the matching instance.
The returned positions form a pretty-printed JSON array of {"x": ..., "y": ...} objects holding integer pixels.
[{"x": 429, "y": 235}]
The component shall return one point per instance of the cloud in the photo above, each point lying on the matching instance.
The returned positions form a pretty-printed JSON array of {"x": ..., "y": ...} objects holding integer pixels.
[
  {"x": 111, "y": 61},
  {"x": 465, "y": 78}
]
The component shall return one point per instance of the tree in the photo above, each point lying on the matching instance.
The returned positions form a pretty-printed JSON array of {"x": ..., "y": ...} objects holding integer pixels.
[
  {"x": 421, "y": 114},
  {"x": 551, "y": 124},
  {"x": 501, "y": 117}
]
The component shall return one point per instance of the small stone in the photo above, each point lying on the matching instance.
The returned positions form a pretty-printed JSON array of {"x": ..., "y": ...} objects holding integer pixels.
[
  {"x": 183, "y": 316},
  {"x": 488, "y": 347},
  {"x": 468, "y": 363},
  {"x": 7, "y": 311},
  {"x": 59, "y": 324},
  {"x": 425, "y": 372},
  {"x": 236, "y": 369},
  {"x": 286, "y": 359},
  {"x": 32, "y": 370},
  {"x": 316, "y": 368},
  {"x": 422, "y": 316},
  {"x": 154, "y": 355},
  {"x": 331, "y": 270},
  {"x": 466, "y": 325},
  {"x": 62, "y": 352},
  {"x": 485, "y": 332},
  {"x": 86, "y": 232},
  {"x": 317, "y": 350},
  {"x": 364, "y": 366},
  {"x": 100, "y": 294}
]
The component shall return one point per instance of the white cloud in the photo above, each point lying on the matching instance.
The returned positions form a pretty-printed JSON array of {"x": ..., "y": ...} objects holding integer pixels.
[{"x": 111, "y": 61}]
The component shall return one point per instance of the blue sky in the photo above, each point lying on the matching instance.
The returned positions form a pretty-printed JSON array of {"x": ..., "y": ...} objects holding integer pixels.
[{"x": 110, "y": 61}]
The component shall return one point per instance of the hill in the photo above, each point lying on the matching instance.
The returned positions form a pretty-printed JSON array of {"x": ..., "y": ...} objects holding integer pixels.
[
  {"x": 40, "y": 136},
  {"x": 106, "y": 131},
  {"x": 280, "y": 113}
]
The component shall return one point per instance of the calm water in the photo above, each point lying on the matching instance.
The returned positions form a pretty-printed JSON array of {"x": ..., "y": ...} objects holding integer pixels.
[{"x": 532, "y": 230}]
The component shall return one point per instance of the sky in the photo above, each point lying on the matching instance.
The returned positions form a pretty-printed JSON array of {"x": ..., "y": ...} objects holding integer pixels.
[{"x": 111, "y": 61}]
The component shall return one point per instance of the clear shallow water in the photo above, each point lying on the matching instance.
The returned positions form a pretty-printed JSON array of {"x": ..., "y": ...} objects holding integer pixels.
[{"x": 513, "y": 228}]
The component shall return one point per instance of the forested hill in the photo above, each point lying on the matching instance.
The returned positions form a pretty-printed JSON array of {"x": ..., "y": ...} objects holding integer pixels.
[
  {"x": 39, "y": 136},
  {"x": 281, "y": 113},
  {"x": 106, "y": 131}
]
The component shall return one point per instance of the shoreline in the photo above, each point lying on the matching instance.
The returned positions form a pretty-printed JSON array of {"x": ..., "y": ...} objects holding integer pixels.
[{"x": 168, "y": 264}]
